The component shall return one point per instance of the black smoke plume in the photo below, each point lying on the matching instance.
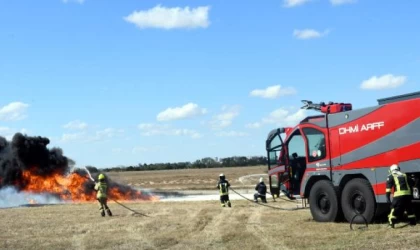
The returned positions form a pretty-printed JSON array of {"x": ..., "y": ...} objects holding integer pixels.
[{"x": 30, "y": 153}]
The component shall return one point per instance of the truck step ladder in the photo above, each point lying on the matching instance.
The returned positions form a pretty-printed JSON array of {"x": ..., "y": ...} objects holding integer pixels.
[{"x": 302, "y": 203}]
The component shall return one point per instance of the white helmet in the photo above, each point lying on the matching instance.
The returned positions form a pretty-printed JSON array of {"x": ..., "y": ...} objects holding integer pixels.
[
  {"x": 261, "y": 179},
  {"x": 394, "y": 168},
  {"x": 221, "y": 175}
]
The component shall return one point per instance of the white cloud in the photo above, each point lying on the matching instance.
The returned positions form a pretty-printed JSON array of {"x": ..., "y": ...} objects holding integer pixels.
[
  {"x": 272, "y": 92},
  {"x": 309, "y": 34},
  {"x": 187, "y": 111},
  {"x": 76, "y": 1},
  {"x": 253, "y": 125},
  {"x": 105, "y": 134},
  {"x": 170, "y": 18},
  {"x": 294, "y": 3},
  {"x": 76, "y": 125},
  {"x": 84, "y": 136},
  {"x": 13, "y": 111},
  {"x": 340, "y": 2},
  {"x": 225, "y": 118},
  {"x": 284, "y": 117},
  {"x": 109, "y": 132},
  {"x": 149, "y": 129},
  {"x": 281, "y": 117},
  {"x": 70, "y": 137},
  {"x": 388, "y": 81},
  {"x": 231, "y": 134}
]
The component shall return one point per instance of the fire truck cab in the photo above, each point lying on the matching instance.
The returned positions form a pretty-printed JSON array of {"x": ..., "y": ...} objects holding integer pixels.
[{"x": 339, "y": 160}]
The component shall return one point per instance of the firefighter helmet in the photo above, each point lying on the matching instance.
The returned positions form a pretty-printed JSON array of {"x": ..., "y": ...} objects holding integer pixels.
[
  {"x": 261, "y": 179},
  {"x": 394, "y": 168},
  {"x": 101, "y": 177},
  {"x": 221, "y": 175}
]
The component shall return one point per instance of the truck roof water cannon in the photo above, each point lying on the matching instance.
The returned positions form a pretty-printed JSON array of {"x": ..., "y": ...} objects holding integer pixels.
[{"x": 330, "y": 108}]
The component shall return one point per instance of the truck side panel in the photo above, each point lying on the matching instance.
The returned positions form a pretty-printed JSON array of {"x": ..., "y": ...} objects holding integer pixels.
[
  {"x": 397, "y": 141},
  {"x": 312, "y": 174},
  {"x": 393, "y": 123}
]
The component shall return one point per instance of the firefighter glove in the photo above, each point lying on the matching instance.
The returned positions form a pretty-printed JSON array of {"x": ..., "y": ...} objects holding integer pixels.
[{"x": 388, "y": 198}]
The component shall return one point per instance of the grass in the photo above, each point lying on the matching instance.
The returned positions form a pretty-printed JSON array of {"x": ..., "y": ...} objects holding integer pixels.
[
  {"x": 188, "y": 179},
  {"x": 189, "y": 225}
]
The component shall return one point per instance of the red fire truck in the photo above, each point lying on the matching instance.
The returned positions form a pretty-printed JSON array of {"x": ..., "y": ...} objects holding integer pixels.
[{"x": 339, "y": 160}]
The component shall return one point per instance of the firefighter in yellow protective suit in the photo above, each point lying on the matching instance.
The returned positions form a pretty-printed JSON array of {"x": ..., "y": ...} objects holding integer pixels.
[
  {"x": 402, "y": 196},
  {"x": 223, "y": 186},
  {"x": 101, "y": 195}
]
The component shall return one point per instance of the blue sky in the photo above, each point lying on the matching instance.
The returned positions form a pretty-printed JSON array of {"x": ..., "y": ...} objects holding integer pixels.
[{"x": 127, "y": 82}]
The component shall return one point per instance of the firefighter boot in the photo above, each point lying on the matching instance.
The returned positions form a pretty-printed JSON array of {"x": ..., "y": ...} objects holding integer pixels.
[
  {"x": 229, "y": 205},
  {"x": 223, "y": 205},
  {"x": 108, "y": 211},
  {"x": 101, "y": 209},
  {"x": 391, "y": 226}
]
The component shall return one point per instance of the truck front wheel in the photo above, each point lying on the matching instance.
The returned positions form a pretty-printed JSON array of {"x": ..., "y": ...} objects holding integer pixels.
[
  {"x": 358, "y": 198},
  {"x": 323, "y": 202}
]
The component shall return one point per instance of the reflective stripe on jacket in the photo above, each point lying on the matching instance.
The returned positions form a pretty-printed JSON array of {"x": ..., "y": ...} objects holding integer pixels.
[
  {"x": 401, "y": 183},
  {"x": 223, "y": 188},
  {"x": 101, "y": 187}
]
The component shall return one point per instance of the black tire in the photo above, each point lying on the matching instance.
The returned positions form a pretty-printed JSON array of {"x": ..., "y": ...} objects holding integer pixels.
[
  {"x": 358, "y": 198},
  {"x": 323, "y": 202}
]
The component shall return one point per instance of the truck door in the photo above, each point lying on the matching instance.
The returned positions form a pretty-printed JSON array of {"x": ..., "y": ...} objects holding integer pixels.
[
  {"x": 296, "y": 155},
  {"x": 317, "y": 150},
  {"x": 275, "y": 155}
]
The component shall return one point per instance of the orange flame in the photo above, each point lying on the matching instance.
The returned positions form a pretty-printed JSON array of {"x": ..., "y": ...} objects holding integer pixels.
[
  {"x": 31, "y": 201},
  {"x": 74, "y": 188}
]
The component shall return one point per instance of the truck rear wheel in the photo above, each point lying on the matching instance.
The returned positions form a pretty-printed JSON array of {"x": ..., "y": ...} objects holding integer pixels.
[
  {"x": 358, "y": 198},
  {"x": 323, "y": 202}
]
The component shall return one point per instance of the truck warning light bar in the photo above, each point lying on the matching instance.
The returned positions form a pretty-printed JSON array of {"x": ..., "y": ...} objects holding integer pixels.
[{"x": 330, "y": 108}]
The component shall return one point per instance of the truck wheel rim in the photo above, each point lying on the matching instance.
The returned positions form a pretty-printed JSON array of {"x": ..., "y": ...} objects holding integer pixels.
[
  {"x": 324, "y": 203},
  {"x": 358, "y": 203}
]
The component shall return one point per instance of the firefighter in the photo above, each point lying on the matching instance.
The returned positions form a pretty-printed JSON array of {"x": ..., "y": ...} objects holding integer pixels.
[
  {"x": 101, "y": 195},
  {"x": 223, "y": 187},
  {"x": 402, "y": 196},
  {"x": 261, "y": 191}
]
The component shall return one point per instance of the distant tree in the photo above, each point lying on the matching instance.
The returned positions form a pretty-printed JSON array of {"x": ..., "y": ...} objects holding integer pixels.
[{"x": 206, "y": 162}]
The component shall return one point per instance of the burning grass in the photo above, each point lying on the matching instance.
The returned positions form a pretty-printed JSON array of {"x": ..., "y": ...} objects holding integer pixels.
[
  {"x": 27, "y": 166},
  {"x": 189, "y": 225},
  {"x": 77, "y": 187}
]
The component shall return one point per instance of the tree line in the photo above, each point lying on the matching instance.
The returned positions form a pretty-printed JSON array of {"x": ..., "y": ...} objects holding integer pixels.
[{"x": 207, "y": 162}]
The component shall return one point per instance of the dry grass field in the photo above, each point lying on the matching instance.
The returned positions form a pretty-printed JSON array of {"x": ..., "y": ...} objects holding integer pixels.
[
  {"x": 188, "y": 225},
  {"x": 187, "y": 179}
]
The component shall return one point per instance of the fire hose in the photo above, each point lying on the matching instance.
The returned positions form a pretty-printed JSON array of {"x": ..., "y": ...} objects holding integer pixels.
[
  {"x": 262, "y": 204},
  {"x": 294, "y": 209},
  {"x": 354, "y": 217}
]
